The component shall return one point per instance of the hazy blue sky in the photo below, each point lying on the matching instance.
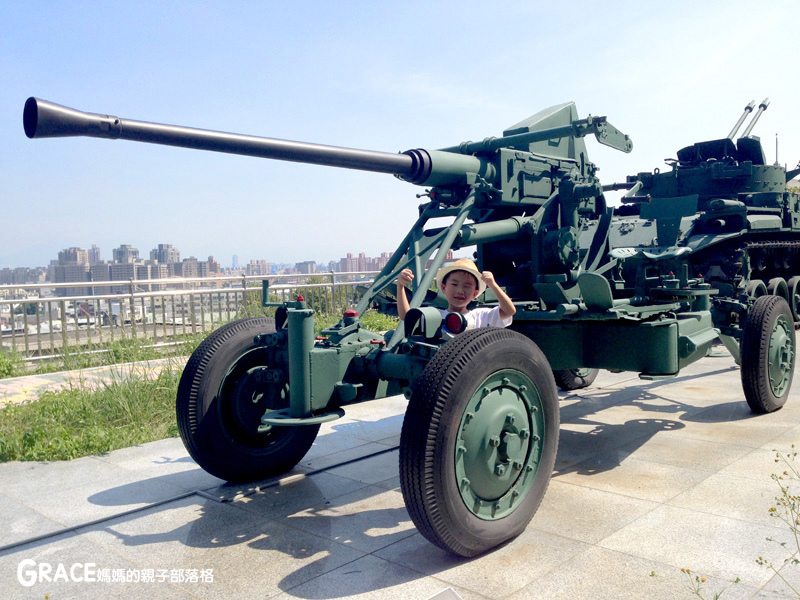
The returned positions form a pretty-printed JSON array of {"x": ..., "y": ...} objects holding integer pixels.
[{"x": 383, "y": 76}]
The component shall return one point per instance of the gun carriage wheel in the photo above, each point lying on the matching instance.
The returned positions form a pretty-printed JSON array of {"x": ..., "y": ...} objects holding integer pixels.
[
  {"x": 794, "y": 296},
  {"x": 768, "y": 354},
  {"x": 479, "y": 440},
  {"x": 223, "y": 392},
  {"x": 777, "y": 286},
  {"x": 575, "y": 379}
]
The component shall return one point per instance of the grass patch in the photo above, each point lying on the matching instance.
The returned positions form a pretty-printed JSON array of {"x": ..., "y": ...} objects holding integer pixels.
[
  {"x": 98, "y": 355},
  {"x": 10, "y": 365},
  {"x": 371, "y": 320},
  {"x": 78, "y": 421},
  {"x": 128, "y": 411}
]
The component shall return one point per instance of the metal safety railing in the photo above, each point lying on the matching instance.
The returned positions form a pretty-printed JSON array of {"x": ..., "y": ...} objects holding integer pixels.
[{"x": 39, "y": 321}]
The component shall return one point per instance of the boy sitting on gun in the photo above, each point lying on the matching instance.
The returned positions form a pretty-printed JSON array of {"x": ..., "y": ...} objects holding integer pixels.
[{"x": 461, "y": 283}]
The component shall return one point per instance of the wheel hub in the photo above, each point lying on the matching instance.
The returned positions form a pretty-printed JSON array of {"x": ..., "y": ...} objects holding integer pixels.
[
  {"x": 781, "y": 355},
  {"x": 499, "y": 445},
  {"x": 253, "y": 393}
]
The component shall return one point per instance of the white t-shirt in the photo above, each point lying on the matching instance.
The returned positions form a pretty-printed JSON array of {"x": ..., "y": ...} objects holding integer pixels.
[{"x": 483, "y": 317}]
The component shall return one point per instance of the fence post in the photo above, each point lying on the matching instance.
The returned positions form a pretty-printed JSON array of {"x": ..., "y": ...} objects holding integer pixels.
[
  {"x": 133, "y": 309},
  {"x": 63, "y": 306},
  {"x": 244, "y": 295},
  {"x": 333, "y": 292}
]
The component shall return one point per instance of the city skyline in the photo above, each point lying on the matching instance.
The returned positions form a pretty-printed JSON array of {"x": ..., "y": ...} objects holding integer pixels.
[{"x": 76, "y": 264}]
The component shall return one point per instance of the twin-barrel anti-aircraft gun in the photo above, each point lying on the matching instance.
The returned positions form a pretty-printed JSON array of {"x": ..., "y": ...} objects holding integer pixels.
[{"x": 706, "y": 250}]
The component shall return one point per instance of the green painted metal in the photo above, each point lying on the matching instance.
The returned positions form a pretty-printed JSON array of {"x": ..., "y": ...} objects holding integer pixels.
[
  {"x": 500, "y": 442},
  {"x": 301, "y": 342},
  {"x": 646, "y": 287},
  {"x": 781, "y": 354}
]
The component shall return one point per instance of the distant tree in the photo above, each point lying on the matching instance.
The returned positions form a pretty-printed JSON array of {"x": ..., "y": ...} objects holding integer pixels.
[{"x": 30, "y": 309}]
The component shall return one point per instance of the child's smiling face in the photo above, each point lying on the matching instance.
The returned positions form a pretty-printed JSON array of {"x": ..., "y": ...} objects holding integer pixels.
[{"x": 460, "y": 288}]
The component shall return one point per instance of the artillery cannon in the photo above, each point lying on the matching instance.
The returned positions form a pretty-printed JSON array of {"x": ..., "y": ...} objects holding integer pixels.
[{"x": 593, "y": 290}]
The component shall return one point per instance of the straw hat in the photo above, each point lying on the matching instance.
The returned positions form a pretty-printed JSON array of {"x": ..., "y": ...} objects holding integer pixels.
[{"x": 462, "y": 264}]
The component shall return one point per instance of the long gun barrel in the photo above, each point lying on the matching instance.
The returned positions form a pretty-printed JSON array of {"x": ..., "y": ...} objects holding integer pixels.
[
  {"x": 761, "y": 108},
  {"x": 747, "y": 110},
  {"x": 424, "y": 167}
]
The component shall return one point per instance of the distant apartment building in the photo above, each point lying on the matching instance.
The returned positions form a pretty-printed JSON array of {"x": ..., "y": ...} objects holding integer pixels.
[
  {"x": 72, "y": 273},
  {"x": 73, "y": 256},
  {"x": 20, "y": 275},
  {"x": 360, "y": 263},
  {"x": 306, "y": 267},
  {"x": 100, "y": 271},
  {"x": 188, "y": 267},
  {"x": 257, "y": 267},
  {"x": 72, "y": 267},
  {"x": 94, "y": 255},
  {"x": 165, "y": 254},
  {"x": 122, "y": 272},
  {"x": 213, "y": 266},
  {"x": 125, "y": 254}
]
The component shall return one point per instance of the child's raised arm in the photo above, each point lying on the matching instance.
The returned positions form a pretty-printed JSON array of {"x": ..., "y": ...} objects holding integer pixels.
[
  {"x": 404, "y": 278},
  {"x": 507, "y": 308}
]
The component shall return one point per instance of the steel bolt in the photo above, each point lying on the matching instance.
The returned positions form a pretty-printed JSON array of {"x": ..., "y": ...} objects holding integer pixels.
[
  {"x": 494, "y": 441},
  {"x": 528, "y": 468},
  {"x": 461, "y": 449},
  {"x": 468, "y": 417},
  {"x": 485, "y": 391},
  {"x": 536, "y": 438},
  {"x": 517, "y": 465},
  {"x": 524, "y": 434},
  {"x": 499, "y": 470},
  {"x": 510, "y": 419},
  {"x": 523, "y": 388},
  {"x": 515, "y": 494},
  {"x": 465, "y": 482},
  {"x": 506, "y": 381}
]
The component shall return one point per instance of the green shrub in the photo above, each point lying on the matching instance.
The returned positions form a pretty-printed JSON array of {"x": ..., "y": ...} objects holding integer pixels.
[{"x": 10, "y": 364}]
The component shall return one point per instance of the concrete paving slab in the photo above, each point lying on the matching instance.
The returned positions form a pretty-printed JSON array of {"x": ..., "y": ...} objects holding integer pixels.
[
  {"x": 309, "y": 493},
  {"x": 784, "y": 585},
  {"x": 98, "y": 499},
  {"x": 250, "y": 557},
  {"x": 651, "y": 476},
  {"x": 586, "y": 514},
  {"x": 333, "y": 458},
  {"x": 602, "y": 574},
  {"x": 632, "y": 477},
  {"x": 368, "y": 519},
  {"x": 20, "y": 522},
  {"x": 758, "y": 464},
  {"x": 32, "y": 572},
  {"x": 371, "y": 470},
  {"x": 502, "y": 572},
  {"x": 690, "y": 453},
  {"x": 371, "y": 577},
  {"x": 684, "y": 539},
  {"x": 735, "y": 497}
]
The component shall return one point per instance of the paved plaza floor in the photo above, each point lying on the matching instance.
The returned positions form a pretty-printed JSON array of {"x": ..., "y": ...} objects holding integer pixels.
[{"x": 651, "y": 477}]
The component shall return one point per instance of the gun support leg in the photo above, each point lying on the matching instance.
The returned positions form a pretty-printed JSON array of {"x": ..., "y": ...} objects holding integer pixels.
[{"x": 301, "y": 341}]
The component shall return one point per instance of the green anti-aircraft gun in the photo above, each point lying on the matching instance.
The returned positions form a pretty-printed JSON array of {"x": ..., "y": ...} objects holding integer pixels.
[{"x": 647, "y": 290}]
